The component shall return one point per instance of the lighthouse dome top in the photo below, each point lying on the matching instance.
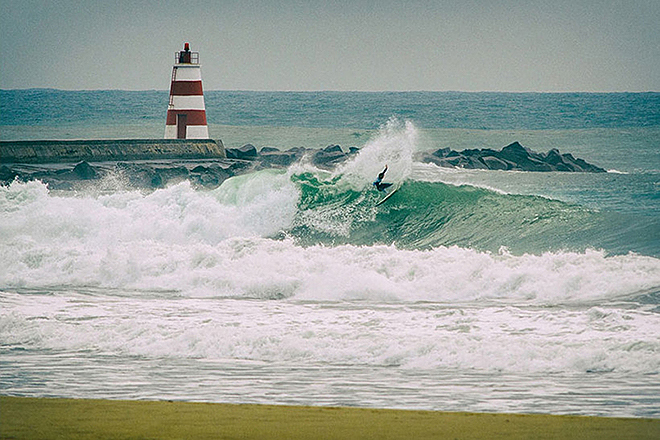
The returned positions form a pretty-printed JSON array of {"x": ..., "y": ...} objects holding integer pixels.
[{"x": 186, "y": 56}]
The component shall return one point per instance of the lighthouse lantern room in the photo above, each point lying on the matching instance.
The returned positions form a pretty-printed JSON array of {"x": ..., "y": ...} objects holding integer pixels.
[{"x": 186, "y": 114}]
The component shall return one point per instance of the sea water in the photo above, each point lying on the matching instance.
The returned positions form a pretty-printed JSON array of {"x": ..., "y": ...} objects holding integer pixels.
[{"x": 468, "y": 290}]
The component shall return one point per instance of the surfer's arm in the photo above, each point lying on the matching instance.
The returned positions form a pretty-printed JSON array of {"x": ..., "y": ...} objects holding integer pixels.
[{"x": 381, "y": 175}]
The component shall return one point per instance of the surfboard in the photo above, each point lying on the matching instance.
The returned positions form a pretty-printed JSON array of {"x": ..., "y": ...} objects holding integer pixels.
[{"x": 390, "y": 194}]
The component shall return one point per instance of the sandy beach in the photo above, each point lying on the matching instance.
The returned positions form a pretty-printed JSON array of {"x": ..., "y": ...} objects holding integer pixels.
[{"x": 39, "y": 418}]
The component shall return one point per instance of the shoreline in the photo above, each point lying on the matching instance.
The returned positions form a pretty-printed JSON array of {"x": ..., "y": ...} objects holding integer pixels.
[{"x": 49, "y": 418}]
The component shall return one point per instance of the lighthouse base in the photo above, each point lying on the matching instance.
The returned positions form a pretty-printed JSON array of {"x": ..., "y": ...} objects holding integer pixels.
[{"x": 187, "y": 132}]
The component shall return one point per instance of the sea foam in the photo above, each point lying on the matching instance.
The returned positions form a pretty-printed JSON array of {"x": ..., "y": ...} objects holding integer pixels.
[{"x": 220, "y": 244}]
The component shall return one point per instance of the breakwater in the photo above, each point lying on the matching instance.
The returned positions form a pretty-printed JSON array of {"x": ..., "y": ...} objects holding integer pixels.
[
  {"x": 152, "y": 164},
  {"x": 208, "y": 165},
  {"x": 71, "y": 151},
  {"x": 513, "y": 157}
]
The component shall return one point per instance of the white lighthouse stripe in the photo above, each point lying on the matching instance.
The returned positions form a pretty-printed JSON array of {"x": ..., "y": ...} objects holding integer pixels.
[
  {"x": 192, "y": 132},
  {"x": 187, "y": 73},
  {"x": 197, "y": 132},
  {"x": 195, "y": 102},
  {"x": 170, "y": 132}
]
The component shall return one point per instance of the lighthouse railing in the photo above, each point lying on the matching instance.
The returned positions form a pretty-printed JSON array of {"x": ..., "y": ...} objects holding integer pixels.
[{"x": 194, "y": 57}]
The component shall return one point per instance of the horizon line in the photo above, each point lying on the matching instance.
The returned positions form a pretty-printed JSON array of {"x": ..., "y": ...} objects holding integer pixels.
[{"x": 342, "y": 91}]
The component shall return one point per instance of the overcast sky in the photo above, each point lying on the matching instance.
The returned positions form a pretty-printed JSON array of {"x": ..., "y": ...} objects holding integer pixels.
[{"x": 465, "y": 45}]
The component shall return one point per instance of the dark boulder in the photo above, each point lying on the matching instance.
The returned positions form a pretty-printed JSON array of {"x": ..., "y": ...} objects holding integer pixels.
[
  {"x": 171, "y": 174},
  {"x": 209, "y": 177},
  {"x": 471, "y": 153},
  {"x": 274, "y": 158},
  {"x": 514, "y": 153},
  {"x": 7, "y": 175},
  {"x": 580, "y": 165},
  {"x": 553, "y": 157},
  {"x": 140, "y": 176},
  {"x": 246, "y": 152},
  {"x": 199, "y": 169},
  {"x": 494, "y": 163},
  {"x": 442, "y": 152},
  {"x": 84, "y": 171},
  {"x": 333, "y": 149},
  {"x": 329, "y": 157},
  {"x": 522, "y": 158}
]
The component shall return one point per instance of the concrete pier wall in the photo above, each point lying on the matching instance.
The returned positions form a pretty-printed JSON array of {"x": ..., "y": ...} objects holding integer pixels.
[{"x": 43, "y": 151}]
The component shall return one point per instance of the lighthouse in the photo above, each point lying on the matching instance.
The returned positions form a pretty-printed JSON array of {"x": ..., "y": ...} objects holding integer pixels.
[{"x": 186, "y": 114}]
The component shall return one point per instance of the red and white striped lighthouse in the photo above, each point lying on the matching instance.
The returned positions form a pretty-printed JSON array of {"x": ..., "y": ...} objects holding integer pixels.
[{"x": 186, "y": 114}]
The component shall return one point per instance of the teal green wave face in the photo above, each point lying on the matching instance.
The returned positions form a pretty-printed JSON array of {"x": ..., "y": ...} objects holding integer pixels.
[{"x": 423, "y": 215}]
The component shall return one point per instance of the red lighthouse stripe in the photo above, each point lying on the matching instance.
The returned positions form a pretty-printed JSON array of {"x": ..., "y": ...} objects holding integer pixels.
[
  {"x": 186, "y": 88},
  {"x": 195, "y": 117}
]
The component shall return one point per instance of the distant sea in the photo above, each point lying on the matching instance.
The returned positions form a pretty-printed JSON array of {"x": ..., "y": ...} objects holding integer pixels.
[{"x": 468, "y": 290}]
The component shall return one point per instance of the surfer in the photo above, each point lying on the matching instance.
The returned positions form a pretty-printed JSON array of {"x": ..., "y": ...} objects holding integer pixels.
[{"x": 378, "y": 183}]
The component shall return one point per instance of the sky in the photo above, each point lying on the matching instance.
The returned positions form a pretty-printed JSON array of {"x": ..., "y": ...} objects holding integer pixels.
[{"x": 344, "y": 45}]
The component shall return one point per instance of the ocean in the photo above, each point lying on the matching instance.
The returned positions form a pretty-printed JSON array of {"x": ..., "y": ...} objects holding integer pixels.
[{"x": 468, "y": 290}]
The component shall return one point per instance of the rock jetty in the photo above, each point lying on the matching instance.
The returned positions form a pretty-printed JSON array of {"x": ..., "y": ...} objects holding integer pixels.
[
  {"x": 150, "y": 170},
  {"x": 209, "y": 169},
  {"x": 513, "y": 157}
]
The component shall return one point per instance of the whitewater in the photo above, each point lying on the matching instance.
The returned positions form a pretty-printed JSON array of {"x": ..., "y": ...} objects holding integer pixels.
[{"x": 466, "y": 291}]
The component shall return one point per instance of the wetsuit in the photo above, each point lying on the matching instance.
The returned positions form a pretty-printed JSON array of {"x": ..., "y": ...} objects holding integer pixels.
[{"x": 378, "y": 183}]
